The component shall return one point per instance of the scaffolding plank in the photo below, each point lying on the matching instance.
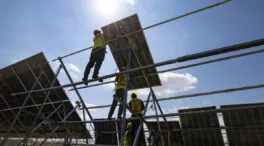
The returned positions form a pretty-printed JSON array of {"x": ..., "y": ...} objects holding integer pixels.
[
  {"x": 119, "y": 50},
  {"x": 201, "y": 121},
  {"x": 244, "y": 117},
  {"x": 104, "y": 133},
  {"x": 10, "y": 83},
  {"x": 176, "y": 136}
]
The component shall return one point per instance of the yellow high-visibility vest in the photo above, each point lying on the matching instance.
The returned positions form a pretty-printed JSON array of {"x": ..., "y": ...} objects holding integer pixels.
[
  {"x": 136, "y": 105},
  {"x": 125, "y": 139},
  {"x": 99, "y": 41},
  {"x": 121, "y": 83}
]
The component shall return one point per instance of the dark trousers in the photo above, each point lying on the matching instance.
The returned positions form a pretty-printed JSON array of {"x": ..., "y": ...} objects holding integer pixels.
[
  {"x": 120, "y": 93},
  {"x": 96, "y": 58},
  {"x": 141, "y": 138}
]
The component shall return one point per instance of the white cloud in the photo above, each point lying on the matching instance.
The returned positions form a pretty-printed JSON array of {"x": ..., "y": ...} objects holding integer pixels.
[
  {"x": 73, "y": 67},
  {"x": 132, "y": 2},
  {"x": 172, "y": 83}
]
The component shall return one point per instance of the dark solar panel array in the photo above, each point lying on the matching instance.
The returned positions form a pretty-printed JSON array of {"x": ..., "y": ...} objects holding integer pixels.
[
  {"x": 201, "y": 121},
  {"x": 176, "y": 136},
  {"x": 244, "y": 117},
  {"x": 10, "y": 83},
  {"x": 104, "y": 133},
  {"x": 120, "y": 53}
]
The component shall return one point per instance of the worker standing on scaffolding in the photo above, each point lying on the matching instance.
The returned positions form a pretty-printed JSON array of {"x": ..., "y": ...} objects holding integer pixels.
[
  {"x": 137, "y": 107},
  {"x": 97, "y": 57},
  {"x": 119, "y": 93}
]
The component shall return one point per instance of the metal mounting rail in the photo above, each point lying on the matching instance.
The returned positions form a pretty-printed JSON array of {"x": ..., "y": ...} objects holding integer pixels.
[{"x": 203, "y": 54}]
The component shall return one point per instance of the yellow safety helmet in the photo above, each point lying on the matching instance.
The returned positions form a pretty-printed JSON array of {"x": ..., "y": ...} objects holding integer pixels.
[
  {"x": 123, "y": 68},
  {"x": 129, "y": 125},
  {"x": 133, "y": 95}
]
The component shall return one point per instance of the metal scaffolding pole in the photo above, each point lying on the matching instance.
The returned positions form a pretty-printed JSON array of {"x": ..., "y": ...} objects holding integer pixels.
[
  {"x": 129, "y": 109},
  {"x": 44, "y": 101},
  {"x": 123, "y": 126},
  {"x": 203, "y": 54},
  {"x": 141, "y": 123},
  {"x": 23, "y": 85},
  {"x": 174, "y": 114},
  {"x": 53, "y": 112},
  {"x": 164, "y": 118},
  {"x": 242, "y": 128},
  {"x": 18, "y": 113},
  {"x": 182, "y": 67},
  {"x": 77, "y": 92},
  {"x": 157, "y": 118},
  {"x": 36, "y": 127},
  {"x": 54, "y": 130},
  {"x": 8, "y": 121},
  {"x": 151, "y": 26},
  {"x": 12, "y": 111},
  {"x": 50, "y": 82},
  {"x": 200, "y": 94},
  {"x": 153, "y": 94},
  {"x": 94, "y": 85},
  {"x": 28, "y": 106}
]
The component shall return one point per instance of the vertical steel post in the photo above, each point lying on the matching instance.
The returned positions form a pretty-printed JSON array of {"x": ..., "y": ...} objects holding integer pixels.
[
  {"x": 153, "y": 94},
  {"x": 76, "y": 90},
  {"x": 157, "y": 118},
  {"x": 85, "y": 125},
  {"x": 164, "y": 118},
  {"x": 125, "y": 100},
  {"x": 141, "y": 123},
  {"x": 18, "y": 113},
  {"x": 117, "y": 133}
]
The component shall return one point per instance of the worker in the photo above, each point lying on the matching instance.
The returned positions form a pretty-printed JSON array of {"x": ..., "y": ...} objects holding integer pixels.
[
  {"x": 128, "y": 135},
  {"x": 137, "y": 106},
  {"x": 96, "y": 58},
  {"x": 119, "y": 93}
]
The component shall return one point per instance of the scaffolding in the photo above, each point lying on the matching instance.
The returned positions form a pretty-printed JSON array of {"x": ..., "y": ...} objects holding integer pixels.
[{"x": 162, "y": 123}]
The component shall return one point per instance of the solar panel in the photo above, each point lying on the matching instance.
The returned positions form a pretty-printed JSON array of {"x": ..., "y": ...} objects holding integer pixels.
[
  {"x": 119, "y": 50},
  {"x": 176, "y": 136},
  {"x": 18, "y": 77},
  {"x": 201, "y": 121},
  {"x": 244, "y": 117},
  {"x": 104, "y": 132}
]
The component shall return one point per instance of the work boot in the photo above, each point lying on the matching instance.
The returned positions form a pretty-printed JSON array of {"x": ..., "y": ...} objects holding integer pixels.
[
  {"x": 85, "y": 79},
  {"x": 98, "y": 78}
]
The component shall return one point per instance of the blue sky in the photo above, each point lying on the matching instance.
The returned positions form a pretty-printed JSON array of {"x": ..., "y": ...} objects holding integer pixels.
[{"x": 63, "y": 26}]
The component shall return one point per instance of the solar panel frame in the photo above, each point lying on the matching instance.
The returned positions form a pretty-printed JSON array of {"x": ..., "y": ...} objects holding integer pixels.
[
  {"x": 244, "y": 117},
  {"x": 201, "y": 121},
  {"x": 119, "y": 49},
  {"x": 176, "y": 136},
  {"x": 100, "y": 131},
  {"x": 10, "y": 84}
]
